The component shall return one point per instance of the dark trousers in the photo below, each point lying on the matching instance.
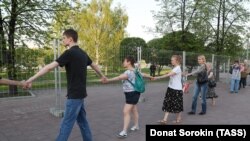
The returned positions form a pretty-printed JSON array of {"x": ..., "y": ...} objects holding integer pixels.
[
  {"x": 243, "y": 82},
  {"x": 152, "y": 73}
]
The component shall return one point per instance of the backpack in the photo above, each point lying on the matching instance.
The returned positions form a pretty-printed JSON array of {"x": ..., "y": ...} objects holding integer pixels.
[
  {"x": 139, "y": 84},
  {"x": 202, "y": 77}
]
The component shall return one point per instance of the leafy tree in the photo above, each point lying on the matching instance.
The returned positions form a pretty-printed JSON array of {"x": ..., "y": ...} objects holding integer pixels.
[
  {"x": 156, "y": 43},
  {"x": 176, "y": 15},
  {"x": 172, "y": 41},
  {"x": 128, "y": 47},
  {"x": 28, "y": 64},
  {"x": 230, "y": 17},
  {"x": 211, "y": 21},
  {"x": 154, "y": 46},
  {"x": 49, "y": 56},
  {"x": 22, "y": 20},
  {"x": 101, "y": 29},
  {"x": 163, "y": 58}
]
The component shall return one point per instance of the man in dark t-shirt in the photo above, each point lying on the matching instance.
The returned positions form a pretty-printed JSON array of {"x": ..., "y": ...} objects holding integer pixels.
[{"x": 75, "y": 61}]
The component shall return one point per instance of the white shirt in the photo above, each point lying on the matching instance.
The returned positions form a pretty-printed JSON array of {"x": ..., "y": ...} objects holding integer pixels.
[
  {"x": 175, "y": 80},
  {"x": 236, "y": 73}
]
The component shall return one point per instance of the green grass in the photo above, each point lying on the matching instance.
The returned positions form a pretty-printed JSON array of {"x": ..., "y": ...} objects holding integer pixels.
[{"x": 47, "y": 81}]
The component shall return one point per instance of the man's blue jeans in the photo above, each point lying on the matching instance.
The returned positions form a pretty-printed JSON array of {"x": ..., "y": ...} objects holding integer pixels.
[
  {"x": 234, "y": 86},
  {"x": 203, "y": 90},
  {"x": 74, "y": 111}
]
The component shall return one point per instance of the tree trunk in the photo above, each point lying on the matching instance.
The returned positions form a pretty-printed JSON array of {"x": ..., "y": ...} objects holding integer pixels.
[
  {"x": 221, "y": 44},
  {"x": 106, "y": 70},
  {"x": 218, "y": 45},
  {"x": 11, "y": 51},
  {"x": 217, "y": 74},
  {"x": 2, "y": 42},
  {"x": 97, "y": 55},
  {"x": 183, "y": 18},
  {"x": 160, "y": 69}
]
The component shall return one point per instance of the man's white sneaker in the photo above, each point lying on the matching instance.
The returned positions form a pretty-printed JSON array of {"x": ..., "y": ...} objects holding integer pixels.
[
  {"x": 122, "y": 134},
  {"x": 134, "y": 128}
]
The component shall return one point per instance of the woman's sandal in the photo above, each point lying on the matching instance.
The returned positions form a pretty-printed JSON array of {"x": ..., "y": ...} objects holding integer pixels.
[
  {"x": 162, "y": 122},
  {"x": 177, "y": 121}
]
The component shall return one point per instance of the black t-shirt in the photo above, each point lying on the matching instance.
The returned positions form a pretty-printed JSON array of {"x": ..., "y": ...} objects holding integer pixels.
[{"x": 75, "y": 61}]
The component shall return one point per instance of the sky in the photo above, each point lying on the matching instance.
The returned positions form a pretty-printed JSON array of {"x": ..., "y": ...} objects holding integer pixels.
[{"x": 140, "y": 17}]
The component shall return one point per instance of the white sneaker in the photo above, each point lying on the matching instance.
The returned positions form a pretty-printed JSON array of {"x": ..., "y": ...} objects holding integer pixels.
[
  {"x": 122, "y": 134},
  {"x": 134, "y": 128}
]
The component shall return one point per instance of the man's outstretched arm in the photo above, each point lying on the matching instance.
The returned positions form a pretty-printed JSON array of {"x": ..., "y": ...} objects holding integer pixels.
[
  {"x": 43, "y": 71},
  {"x": 97, "y": 70}
]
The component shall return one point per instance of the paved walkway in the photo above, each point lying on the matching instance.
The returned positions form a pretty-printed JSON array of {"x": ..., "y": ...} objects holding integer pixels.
[{"x": 29, "y": 119}]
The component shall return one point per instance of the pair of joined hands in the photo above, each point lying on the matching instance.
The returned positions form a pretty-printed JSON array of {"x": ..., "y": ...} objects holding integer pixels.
[{"x": 26, "y": 84}]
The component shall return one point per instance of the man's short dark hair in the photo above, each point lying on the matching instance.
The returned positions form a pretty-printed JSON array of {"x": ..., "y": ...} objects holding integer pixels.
[{"x": 71, "y": 33}]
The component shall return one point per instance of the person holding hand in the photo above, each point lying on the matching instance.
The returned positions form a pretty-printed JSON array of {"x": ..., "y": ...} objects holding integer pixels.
[
  {"x": 12, "y": 82},
  {"x": 173, "y": 101},
  {"x": 75, "y": 61},
  {"x": 131, "y": 96}
]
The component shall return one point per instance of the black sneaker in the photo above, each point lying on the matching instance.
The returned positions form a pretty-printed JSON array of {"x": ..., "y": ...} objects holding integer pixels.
[
  {"x": 191, "y": 113},
  {"x": 202, "y": 113}
]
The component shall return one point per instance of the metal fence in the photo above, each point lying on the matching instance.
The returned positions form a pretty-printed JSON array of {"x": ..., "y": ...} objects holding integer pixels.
[{"x": 28, "y": 61}]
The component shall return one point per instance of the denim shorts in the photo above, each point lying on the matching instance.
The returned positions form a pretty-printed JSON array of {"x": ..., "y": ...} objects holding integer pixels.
[{"x": 132, "y": 97}]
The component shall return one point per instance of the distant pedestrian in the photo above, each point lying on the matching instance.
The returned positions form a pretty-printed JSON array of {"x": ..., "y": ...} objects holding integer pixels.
[
  {"x": 235, "y": 78},
  {"x": 152, "y": 69},
  {"x": 243, "y": 76}
]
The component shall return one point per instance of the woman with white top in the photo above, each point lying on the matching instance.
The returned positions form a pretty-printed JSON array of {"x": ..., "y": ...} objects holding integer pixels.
[{"x": 173, "y": 101}]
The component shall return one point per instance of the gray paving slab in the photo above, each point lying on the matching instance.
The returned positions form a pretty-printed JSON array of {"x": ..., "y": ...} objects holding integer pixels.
[{"x": 29, "y": 119}]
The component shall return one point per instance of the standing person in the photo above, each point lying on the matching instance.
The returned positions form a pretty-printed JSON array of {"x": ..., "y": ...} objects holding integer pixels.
[
  {"x": 200, "y": 86},
  {"x": 152, "y": 70},
  {"x": 235, "y": 78},
  {"x": 132, "y": 96},
  {"x": 75, "y": 61},
  {"x": 173, "y": 101},
  {"x": 211, "y": 89},
  {"x": 243, "y": 75}
]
